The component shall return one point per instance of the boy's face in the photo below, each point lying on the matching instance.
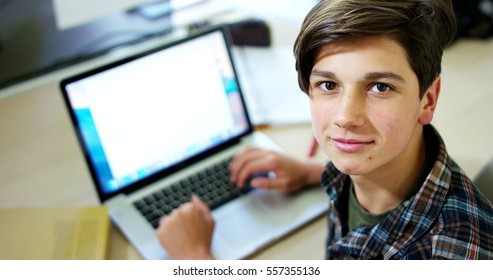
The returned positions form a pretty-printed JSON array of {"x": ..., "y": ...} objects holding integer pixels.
[{"x": 366, "y": 112}]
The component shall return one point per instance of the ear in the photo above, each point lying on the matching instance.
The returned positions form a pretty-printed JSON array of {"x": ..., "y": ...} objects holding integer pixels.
[{"x": 429, "y": 102}]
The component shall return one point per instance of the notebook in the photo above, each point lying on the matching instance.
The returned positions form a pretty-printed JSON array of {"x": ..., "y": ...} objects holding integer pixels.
[{"x": 158, "y": 125}]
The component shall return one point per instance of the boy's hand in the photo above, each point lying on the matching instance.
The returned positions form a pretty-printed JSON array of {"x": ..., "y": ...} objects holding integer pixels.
[
  {"x": 289, "y": 174},
  {"x": 186, "y": 233}
]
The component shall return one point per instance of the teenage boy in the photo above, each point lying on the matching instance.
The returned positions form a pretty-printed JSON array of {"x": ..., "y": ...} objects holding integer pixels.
[{"x": 371, "y": 70}]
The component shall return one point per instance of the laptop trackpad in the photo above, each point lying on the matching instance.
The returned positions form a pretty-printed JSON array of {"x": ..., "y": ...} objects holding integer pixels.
[{"x": 249, "y": 221}]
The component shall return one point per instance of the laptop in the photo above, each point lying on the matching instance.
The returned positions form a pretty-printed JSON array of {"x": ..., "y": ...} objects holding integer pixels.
[{"x": 157, "y": 126}]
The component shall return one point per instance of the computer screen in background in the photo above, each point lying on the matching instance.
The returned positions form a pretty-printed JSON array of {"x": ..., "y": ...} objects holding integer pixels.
[{"x": 33, "y": 43}]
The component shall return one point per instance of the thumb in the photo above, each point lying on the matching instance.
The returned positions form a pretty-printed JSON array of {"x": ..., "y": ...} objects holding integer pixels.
[{"x": 262, "y": 183}]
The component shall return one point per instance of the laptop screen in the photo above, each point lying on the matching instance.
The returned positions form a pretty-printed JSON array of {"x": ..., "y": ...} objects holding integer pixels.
[{"x": 146, "y": 116}]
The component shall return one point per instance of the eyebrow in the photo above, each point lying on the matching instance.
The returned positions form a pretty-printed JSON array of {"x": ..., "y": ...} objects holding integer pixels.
[
  {"x": 323, "y": 74},
  {"x": 386, "y": 75},
  {"x": 368, "y": 76}
]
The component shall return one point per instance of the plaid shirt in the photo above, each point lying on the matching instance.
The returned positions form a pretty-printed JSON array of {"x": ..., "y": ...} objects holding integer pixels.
[{"x": 448, "y": 218}]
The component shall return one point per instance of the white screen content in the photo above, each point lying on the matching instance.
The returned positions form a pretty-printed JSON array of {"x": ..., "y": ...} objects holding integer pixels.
[{"x": 161, "y": 108}]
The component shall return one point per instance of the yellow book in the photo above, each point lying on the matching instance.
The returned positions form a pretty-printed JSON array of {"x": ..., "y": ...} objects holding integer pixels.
[{"x": 75, "y": 233}]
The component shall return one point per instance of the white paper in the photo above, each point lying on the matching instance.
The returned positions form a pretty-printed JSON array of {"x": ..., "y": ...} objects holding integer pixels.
[{"x": 270, "y": 85}]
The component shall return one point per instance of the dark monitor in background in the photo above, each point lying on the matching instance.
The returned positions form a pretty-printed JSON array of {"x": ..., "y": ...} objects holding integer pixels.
[{"x": 32, "y": 45}]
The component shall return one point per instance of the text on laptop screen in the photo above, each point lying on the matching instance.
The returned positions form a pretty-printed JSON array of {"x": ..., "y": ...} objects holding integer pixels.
[{"x": 148, "y": 114}]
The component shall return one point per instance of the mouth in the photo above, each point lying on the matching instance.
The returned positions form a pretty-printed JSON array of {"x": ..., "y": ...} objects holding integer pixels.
[{"x": 350, "y": 145}]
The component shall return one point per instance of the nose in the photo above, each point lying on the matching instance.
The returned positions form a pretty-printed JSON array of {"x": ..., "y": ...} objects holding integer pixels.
[{"x": 350, "y": 110}]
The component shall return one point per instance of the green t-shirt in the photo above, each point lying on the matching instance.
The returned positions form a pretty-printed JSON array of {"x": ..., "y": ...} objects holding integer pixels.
[{"x": 359, "y": 217}]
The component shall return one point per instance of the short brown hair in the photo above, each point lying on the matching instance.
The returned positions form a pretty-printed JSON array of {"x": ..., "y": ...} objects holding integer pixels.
[{"x": 422, "y": 27}]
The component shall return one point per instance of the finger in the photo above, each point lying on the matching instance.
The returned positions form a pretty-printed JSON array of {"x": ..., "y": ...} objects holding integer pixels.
[
  {"x": 165, "y": 223},
  {"x": 245, "y": 153},
  {"x": 260, "y": 163},
  {"x": 243, "y": 159},
  {"x": 262, "y": 183},
  {"x": 162, "y": 220},
  {"x": 203, "y": 208},
  {"x": 257, "y": 167},
  {"x": 162, "y": 224},
  {"x": 199, "y": 204}
]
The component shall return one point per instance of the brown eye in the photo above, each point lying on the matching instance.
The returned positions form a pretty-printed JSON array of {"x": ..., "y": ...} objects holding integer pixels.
[
  {"x": 328, "y": 86},
  {"x": 382, "y": 87}
]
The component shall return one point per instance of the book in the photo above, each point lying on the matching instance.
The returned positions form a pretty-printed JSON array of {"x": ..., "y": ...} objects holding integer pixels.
[{"x": 41, "y": 233}]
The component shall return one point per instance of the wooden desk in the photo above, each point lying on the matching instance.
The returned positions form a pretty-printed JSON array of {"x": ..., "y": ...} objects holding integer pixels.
[{"x": 41, "y": 164}]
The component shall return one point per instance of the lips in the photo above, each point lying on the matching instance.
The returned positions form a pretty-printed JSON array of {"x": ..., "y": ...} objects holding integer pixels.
[{"x": 350, "y": 145}]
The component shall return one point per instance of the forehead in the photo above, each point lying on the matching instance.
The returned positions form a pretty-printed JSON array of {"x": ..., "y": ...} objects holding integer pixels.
[{"x": 378, "y": 50}]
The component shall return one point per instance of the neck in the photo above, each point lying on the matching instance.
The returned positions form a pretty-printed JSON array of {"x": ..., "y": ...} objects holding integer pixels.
[{"x": 387, "y": 187}]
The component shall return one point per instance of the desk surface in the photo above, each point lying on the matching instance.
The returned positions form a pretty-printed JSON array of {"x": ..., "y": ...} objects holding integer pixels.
[{"x": 41, "y": 164}]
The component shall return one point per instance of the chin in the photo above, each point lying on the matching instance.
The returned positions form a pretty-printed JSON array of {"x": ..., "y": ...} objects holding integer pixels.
[{"x": 348, "y": 169}]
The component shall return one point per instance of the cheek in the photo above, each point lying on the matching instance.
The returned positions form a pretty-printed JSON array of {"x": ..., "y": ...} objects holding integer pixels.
[
  {"x": 321, "y": 121},
  {"x": 320, "y": 117},
  {"x": 395, "y": 129}
]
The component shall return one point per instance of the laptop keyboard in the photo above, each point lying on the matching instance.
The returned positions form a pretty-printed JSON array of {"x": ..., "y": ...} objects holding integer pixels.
[{"x": 212, "y": 185}]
